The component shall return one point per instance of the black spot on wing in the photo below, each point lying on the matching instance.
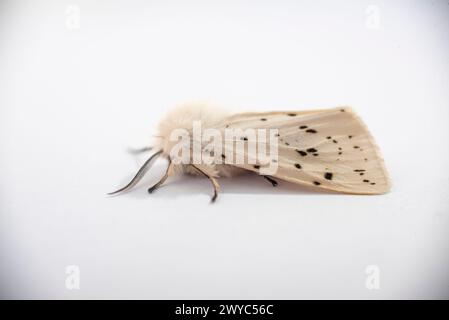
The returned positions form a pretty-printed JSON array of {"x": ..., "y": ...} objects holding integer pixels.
[
  {"x": 301, "y": 152},
  {"x": 291, "y": 114},
  {"x": 298, "y": 166},
  {"x": 256, "y": 167},
  {"x": 302, "y": 127},
  {"x": 263, "y": 119},
  {"x": 311, "y": 150},
  {"x": 311, "y": 131},
  {"x": 328, "y": 175},
  {"x": 316, "y": 183}
]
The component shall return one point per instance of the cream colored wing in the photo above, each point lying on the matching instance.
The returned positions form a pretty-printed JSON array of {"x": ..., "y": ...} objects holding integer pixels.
[{"x": 330, "y": 149}]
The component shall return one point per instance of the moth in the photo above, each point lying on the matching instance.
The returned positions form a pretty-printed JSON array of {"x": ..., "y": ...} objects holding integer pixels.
[{"x": 329, "y": 149}]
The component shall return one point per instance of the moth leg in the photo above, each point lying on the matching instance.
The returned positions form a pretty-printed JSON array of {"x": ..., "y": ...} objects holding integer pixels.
[
  {"x": 212, "y": 180},
  {"x": 166, "y": 175},
  {"x": 273, "y": 182}
]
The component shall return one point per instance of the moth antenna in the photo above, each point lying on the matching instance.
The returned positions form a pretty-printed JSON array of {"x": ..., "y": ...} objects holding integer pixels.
[
  {"x": 139, "y": 150},
  {"x": 166, "y": 175},
  {"x": 139, "y": 175},
  {"x": 212, "y": 180}
]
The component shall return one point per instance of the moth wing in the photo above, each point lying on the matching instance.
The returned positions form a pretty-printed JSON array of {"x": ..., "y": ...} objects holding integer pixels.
[{"x": 330, "y": 149}]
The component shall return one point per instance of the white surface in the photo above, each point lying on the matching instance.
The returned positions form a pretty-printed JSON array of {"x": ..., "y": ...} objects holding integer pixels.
[{"x": 72, "y": 101}]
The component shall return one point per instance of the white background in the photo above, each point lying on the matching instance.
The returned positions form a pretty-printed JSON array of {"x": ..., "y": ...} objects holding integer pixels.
[{"x": 77, "y": 89}]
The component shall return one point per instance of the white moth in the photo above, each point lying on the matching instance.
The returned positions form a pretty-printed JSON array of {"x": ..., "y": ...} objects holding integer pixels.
[{"x": 329, "y": 149}]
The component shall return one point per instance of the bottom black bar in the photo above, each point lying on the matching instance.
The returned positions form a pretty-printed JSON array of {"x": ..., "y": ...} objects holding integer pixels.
[{"x": 226, "y": 309}]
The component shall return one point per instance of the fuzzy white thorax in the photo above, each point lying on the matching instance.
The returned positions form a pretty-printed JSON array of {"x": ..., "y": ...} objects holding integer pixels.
[{"x": 183, "y": 117}]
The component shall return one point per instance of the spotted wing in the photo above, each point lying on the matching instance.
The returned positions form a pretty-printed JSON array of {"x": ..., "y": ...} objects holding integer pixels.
[{"x": 330, "y": 149}]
